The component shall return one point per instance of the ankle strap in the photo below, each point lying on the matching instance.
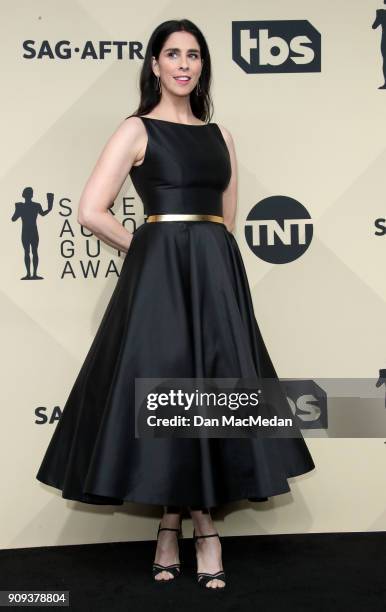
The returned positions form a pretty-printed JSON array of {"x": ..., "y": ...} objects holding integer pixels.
[{"x": 179, "y": 529}]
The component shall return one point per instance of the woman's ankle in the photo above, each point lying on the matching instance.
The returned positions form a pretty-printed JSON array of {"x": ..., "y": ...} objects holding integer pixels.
[
  {"x": 202, "y": 520},
  {"x": 171, "y": 517}
]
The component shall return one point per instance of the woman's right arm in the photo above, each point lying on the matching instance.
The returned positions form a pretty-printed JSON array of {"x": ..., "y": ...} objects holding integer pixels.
[{"x": 123, "y": 149}]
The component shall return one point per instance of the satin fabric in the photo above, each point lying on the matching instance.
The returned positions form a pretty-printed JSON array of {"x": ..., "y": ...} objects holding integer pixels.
[{"x": 181, "y": 308}]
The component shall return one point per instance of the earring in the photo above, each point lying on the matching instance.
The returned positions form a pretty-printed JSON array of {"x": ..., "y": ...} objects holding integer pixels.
[
  {"x": 158, "y": 85},
  {"x": 198, "y": 88}
]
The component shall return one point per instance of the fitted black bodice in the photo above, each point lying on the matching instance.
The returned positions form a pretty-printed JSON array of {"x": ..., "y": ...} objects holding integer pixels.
[{"x": 186, "y": 168}]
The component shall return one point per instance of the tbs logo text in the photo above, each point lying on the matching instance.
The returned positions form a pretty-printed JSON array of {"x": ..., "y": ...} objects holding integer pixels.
[{"x": 276, "y": 46}]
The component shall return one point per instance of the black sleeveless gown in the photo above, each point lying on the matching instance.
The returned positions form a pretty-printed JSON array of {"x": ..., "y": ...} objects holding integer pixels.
[{"x": 181, "y": 308}]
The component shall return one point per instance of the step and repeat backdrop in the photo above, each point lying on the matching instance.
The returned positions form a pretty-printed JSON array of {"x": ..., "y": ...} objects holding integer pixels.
[{"x": 301, "y": 87}]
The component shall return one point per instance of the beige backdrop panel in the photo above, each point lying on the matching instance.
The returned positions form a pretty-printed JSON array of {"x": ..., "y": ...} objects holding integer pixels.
[{"x": 317, "y": 137}]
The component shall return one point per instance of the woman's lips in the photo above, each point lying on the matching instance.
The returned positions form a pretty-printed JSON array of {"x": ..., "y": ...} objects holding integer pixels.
[{"x": 182, "y": 81}]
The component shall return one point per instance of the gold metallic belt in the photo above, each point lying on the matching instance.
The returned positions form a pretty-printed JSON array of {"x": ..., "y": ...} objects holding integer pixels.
[{"x": 184, "y": 217}]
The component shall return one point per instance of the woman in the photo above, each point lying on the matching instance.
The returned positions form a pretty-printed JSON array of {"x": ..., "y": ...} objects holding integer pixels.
[{"x": 181, "y": 309}]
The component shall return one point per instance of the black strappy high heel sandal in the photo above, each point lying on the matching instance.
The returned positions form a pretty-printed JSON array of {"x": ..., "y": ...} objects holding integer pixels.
[
  {"x": 175, "y": 568},
  {"x": 203, "y": 577}
]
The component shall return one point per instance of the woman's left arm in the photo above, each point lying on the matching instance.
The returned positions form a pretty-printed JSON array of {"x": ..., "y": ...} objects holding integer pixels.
[{"x": 229, "y": 200}]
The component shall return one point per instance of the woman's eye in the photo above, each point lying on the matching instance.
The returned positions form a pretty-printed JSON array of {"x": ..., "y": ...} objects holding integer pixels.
[{"x": 195, "y": 55}]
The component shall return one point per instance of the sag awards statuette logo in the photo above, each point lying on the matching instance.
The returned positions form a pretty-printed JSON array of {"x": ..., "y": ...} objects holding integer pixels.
[
  {"x": 382, "y": 380},
  {"x": 278, "y": 229},
  {"x": 82, "y": 256},
  {"x": 28, "y": 212},
  {"x": 380, "y": 21}
]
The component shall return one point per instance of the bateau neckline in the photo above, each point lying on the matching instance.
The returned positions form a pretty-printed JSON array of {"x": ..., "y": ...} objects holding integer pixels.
[{"x": 176, "y": 122}]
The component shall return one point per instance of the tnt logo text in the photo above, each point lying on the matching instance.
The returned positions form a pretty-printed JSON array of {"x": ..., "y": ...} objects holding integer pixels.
[{"x": 279, "y": 229}]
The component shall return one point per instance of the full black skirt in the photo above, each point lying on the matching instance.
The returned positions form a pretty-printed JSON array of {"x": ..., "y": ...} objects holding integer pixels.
[{"x": 181, "y": 308}]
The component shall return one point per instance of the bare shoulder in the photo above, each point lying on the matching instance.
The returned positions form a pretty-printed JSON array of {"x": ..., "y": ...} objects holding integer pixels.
[
  {"x": 128, "y": 133},
  {"x": 227, "y": 135},
  {"x": 132, "y": 126},
  {"x": 129, "y": 138},
  {"x": 228, "y": 139}
]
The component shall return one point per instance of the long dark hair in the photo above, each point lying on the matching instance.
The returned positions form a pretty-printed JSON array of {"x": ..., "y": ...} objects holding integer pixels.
[{"x": 201, "y": 104}]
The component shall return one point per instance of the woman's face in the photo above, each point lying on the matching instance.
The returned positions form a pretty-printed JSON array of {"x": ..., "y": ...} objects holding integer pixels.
[{"x": 180, "y": 56}]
